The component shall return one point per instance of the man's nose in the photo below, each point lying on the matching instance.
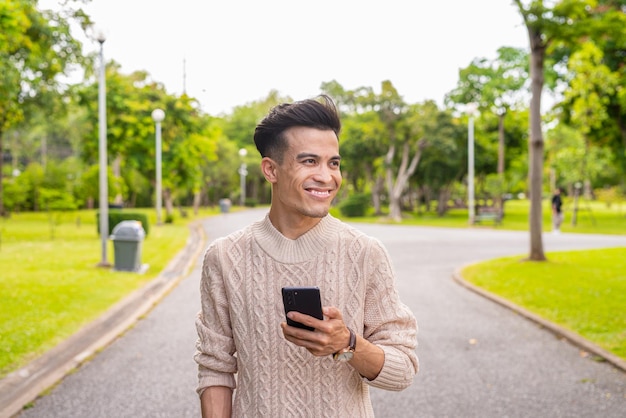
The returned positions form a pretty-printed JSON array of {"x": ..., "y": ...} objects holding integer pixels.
[{"x": 323, "y": 173}]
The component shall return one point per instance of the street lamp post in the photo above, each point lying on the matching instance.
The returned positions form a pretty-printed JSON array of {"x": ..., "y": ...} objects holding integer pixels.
[
  {"x": 243, "y": 172},
  {"x": 158, "y": 115},
  {"x": 102, "y": 151},
  {"x": 471, "y": 109}
]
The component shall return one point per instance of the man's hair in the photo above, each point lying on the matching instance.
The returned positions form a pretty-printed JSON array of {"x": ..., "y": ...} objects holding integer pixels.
[{"x": 269, "y": 135}]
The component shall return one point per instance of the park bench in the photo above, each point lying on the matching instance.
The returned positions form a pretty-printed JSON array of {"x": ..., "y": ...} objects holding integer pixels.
[{"x": 487, "y": 214}]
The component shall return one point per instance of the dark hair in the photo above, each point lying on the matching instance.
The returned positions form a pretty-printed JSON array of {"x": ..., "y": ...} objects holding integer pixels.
[{"x": 269, "y": 133}]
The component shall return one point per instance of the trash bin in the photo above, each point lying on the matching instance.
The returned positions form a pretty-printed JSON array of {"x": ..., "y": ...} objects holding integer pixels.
[
  {"x": 127, "y": 237},
  {"x": 224, "y": 205}
]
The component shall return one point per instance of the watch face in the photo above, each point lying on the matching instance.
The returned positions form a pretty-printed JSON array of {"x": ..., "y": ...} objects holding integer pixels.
[{"x": 345, "y": 356}]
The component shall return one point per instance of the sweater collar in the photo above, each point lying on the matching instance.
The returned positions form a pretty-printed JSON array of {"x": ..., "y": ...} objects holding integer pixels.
[{"x": 303, "y": 248}]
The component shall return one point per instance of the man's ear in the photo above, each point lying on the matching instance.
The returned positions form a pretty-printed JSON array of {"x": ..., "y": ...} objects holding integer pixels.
[{"x": 268, "y": 167}]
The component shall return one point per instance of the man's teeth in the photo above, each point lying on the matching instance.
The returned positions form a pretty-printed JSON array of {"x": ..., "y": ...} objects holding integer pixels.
[{"x": 320, "y": 192}]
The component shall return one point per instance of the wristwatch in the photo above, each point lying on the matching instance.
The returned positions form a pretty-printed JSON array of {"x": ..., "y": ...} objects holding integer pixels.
[{"x": 345, "y": 354}]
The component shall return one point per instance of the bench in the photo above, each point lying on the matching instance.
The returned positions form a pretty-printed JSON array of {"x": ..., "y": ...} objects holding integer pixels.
[{"x": 487, "y": 214}]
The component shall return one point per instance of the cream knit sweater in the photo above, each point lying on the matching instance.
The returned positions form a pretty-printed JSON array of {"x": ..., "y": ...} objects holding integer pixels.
[{"x": 240, "y": 342}]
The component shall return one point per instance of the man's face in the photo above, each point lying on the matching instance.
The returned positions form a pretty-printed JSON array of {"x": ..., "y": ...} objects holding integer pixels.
[{"x": 309, "y": 177}]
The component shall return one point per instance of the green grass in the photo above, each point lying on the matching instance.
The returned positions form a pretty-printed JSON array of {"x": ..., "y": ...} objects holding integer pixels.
[
  {"x": 582, "y": 291},
  {"x": 50, "y": 286},
  {"x": 593, "y": 217}
]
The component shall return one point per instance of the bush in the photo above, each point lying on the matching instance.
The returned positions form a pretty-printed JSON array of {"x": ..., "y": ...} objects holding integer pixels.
[
  {"x": 115, "y": 217},
  {"x": 355, "y": 205}
]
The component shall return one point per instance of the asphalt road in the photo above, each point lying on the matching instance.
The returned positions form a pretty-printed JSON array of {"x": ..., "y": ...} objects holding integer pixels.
[{"x": 477, "y": 358}]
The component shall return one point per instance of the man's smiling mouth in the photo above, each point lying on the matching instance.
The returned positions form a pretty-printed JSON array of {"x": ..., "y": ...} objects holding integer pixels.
[{"x": 321, "y": 193}]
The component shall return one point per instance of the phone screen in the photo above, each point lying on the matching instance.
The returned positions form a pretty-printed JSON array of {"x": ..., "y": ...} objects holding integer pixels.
[{"x": 305, "y": 300}]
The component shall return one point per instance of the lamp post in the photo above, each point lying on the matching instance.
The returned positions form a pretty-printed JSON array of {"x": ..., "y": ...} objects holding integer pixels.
[
  {"x": 102, "y": 151},
  {"x": 471, "y": 109},
  {"x": 158, "y": 115},
  {"x": 243, "y": 172}
]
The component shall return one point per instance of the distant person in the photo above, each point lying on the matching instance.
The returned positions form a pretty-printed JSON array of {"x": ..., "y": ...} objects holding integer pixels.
[
  {"x": 250, "y": 362},
  {"x": 557, "y": 213}
]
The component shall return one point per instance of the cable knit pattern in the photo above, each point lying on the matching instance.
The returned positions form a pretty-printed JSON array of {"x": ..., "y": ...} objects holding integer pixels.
[{"x": 239, "y": 325}]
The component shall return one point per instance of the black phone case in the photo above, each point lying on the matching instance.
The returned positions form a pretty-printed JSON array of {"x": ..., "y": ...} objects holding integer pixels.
[{"x": 305, "y": 300}]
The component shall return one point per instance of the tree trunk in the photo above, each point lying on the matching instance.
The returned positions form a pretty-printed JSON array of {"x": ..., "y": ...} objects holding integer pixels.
[
  {"x": 442, "y": 201},
  {"x": 169, "y": 203},
  {"x": 197, "y": 196},
  {"x": 397, "y": 186},
  {"x": 376, "y": 192},
  {"x": 536, "y": 146}
]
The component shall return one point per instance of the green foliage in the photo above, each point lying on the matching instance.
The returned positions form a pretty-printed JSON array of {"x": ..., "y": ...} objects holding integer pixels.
[
  {"x": 16, "y": 193},
  {"x": 356, "y": 205},
  {"x": 56, "y": 200},
  {"x": 575, "y": 159},
  {"x": 609, "y": 196},
  {"x": 35, "y": 47},
  {"x": 496, "y": 85},
  {"x": 117, "y": 216},
  {"x": 250, "y": 202}
]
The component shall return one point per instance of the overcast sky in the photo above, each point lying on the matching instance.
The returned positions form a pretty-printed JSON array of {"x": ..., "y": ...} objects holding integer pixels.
[{"x": 230, "y": 52}]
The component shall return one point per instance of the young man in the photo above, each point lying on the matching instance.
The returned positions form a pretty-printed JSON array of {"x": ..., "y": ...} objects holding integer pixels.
[{"x": 367, "y": 336}]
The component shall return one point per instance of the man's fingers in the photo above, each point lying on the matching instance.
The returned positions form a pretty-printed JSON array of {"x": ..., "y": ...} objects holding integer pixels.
[{"x": 331, "y": 312}]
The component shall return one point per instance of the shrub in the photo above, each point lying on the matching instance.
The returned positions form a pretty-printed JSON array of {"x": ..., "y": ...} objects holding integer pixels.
[
  {"x": 355, "y": 205},
  {"x": 115, "y": 217}
]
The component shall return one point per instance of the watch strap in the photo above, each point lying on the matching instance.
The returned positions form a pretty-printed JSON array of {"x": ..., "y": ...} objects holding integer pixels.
[{"x": 351, "y": 345}]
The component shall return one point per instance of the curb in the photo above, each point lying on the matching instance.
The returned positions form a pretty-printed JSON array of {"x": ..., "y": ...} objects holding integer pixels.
[
  {"x": 555, "y": 329},
  {"x": 24, "y": 385}
]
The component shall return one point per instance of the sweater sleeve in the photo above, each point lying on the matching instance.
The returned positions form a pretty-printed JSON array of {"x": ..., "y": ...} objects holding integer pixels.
[
  {"x": 215, "y": 347},
  {"x": 389, "y": 323}
]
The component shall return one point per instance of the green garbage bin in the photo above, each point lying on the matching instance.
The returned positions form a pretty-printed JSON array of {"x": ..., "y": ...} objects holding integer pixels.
[{"x": 127, "y": 237}]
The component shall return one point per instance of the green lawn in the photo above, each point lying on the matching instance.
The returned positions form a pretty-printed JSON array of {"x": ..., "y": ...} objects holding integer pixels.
[
  {"x": 582, "y": 291},
  {"x": 49, "y": 283}
]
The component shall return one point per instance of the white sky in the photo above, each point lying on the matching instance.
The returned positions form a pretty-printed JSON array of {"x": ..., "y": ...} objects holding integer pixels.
[{"x": 236, "y": 51}]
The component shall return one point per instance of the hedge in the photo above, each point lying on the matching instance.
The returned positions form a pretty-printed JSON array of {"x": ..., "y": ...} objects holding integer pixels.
[{"x": 115, "y": 217}]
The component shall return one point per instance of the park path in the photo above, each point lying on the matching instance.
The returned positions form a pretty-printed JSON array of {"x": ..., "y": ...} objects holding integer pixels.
[{"x": 477, "y": 358}]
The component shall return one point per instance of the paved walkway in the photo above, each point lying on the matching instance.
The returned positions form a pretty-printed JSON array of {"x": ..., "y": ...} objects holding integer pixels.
[{"x": 478, "y": 358}]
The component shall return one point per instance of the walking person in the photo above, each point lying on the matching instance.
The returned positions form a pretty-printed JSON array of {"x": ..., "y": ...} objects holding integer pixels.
[
  {"x": 557, "y": 213},
  {"x": 250, "y": 362}
]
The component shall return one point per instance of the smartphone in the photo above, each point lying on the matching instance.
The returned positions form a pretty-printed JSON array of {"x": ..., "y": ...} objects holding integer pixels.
[{"x": 305, "y": 300}]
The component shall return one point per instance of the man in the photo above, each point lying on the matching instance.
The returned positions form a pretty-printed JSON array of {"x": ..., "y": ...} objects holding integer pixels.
[
  {"x": 557, "y": 214},
  {"x": 289, "y": 371}
]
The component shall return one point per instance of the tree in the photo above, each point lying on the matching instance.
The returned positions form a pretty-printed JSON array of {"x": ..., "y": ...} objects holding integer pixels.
[
  {"x": 405, "y": 144},
  {"x": 601, "y": 57},
  {"x": 557, "y": 25},
  {"x": 35, "y": 46},
  {"x": 444, "y": 161},
  {"x": 495, "y": 86}
]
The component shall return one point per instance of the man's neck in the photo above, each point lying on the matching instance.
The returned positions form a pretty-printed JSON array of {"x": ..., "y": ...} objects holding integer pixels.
[{"x": 292, "y": 227}]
